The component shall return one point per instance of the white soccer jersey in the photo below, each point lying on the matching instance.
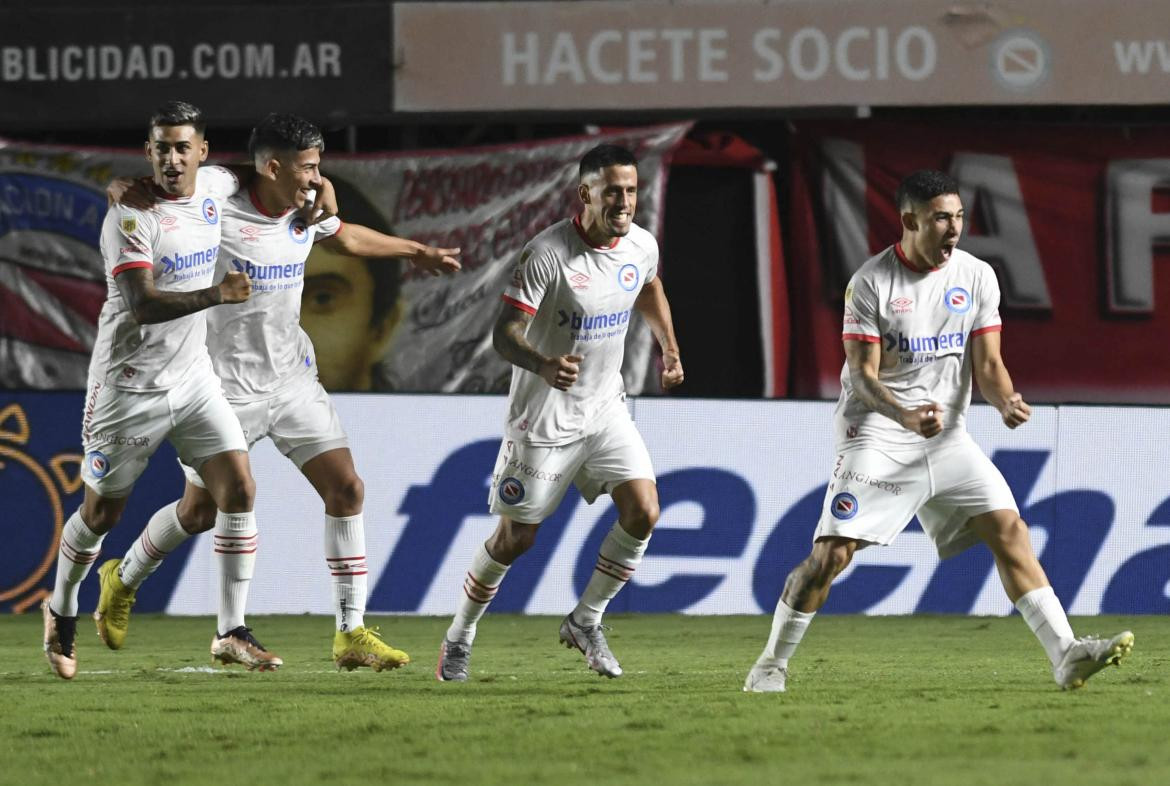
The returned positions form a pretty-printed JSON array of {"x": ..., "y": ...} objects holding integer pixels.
[
  {"x": 583, "y": 299},
  {"x": 178, "y": 240},
  {"x": 924, "y": 323},
  {"x": 258, "y": 347}
]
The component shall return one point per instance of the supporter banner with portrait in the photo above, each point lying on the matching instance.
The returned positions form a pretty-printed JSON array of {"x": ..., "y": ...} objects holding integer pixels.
[
  {"x": 376, "y": 326},
  {"x": 1075, "y": 220}
]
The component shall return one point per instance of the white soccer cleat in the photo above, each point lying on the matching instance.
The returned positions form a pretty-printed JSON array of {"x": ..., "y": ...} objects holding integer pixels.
[
  {"x": 766, "y": 679},
  {"x": 1087, "y": 656},
  {"x": 240, "y": 646},
  {"x": 592, "y": 644}
]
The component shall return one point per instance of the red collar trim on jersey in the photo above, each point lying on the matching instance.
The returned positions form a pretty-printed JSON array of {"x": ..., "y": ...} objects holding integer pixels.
[
  {"x": 161, "y": 193},
  {"x": 256, "y": 203},
  {"x": 581, "y": 231},
  {"x": 902, "y": 258}
]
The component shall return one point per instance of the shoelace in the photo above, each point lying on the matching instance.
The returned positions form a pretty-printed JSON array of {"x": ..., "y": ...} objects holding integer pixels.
[{"x": 246, "y": 635}]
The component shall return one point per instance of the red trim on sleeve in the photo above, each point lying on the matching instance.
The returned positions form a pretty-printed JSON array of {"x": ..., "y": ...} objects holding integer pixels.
[
  {"x": 131, "y": 266},
  {"x": 317, "y": 237},
  {"x": 511, "y": 301},
  {"x": 988, "y": 329},
  {"x": 860, "y": 337}
]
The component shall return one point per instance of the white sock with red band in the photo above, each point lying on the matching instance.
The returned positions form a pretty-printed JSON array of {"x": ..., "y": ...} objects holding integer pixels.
[
  {"x": 617, "y": 559},
  {"x": 163, "y": 534},
  {"x": 479, "y": 587},
  {"x": 345, "y": 556},
  {"x": 236, "y": 541},
  {"x": 80, "y": 548}
]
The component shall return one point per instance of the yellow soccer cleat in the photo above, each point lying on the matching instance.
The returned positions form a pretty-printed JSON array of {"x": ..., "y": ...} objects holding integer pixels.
[
  {"x": 364, "y": 647},
  {"x": 112, "y": 616}
]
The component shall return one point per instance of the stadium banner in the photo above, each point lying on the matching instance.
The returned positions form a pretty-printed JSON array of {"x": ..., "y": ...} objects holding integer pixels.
[
  {"x": 1073, "y": 218},
  {"x": 375, "y": 327},
  {"x": 109, "y": 66},
  {"x": 732, "y": 524},
  {"x": 661, "y": 54}
]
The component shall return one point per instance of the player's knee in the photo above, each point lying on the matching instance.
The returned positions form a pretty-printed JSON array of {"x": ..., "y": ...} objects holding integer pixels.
[
  {"x": 100, "y": 518},
  {"x": 346, "y": 497},
  {"x": 640, "y": 519},
  {"x": 1011, "y": 531},
  {"x": 238, "y": 494}
]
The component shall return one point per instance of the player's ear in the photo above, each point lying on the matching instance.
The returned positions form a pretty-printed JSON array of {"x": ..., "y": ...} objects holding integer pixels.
[
  {"x": 146, "y": 150},
  {"x": 909, "y": 221},
  {"x": 583, "y": 193},
  {"x": 271, "y": 167},
  {"x": 203, "y": 150}
]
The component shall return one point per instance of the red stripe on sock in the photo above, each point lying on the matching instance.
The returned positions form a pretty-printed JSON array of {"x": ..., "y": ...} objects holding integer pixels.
[
  {"x": 355, "y": 573},
  {"x": 611, "y": 575},
  {"x": 224, "y": 551}
]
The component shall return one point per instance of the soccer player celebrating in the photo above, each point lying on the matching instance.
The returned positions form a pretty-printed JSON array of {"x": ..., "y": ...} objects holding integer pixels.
[
  {"x": 150, "y": 377},
  {"x": 269, "y": 374},
  {"x": 922, "y": 318},
  {"x": 563, "y": 328}
]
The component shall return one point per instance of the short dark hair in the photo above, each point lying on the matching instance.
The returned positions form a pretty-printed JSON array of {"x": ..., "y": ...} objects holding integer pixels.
[
  {"x": 602, "y": 156},
  {"x": 922, "y": 186},
  {"x": 284, "y": 134},
  {"x": 177, "y": 113}
]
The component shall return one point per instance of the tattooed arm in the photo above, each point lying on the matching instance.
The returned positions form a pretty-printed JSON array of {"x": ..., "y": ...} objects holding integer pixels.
[
  {"x": 510, "y": 340},
  {"x": 864, "y": 358},
  {"x": 150, "y": 306}
]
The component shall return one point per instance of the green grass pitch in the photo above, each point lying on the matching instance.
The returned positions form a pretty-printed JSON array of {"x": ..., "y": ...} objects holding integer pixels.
[{"x": 872, "y": 700}]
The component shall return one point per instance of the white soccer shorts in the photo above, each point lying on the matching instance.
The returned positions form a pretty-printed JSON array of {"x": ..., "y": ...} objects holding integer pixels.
[
  {"x": 122, "y": 429},
  {"x": 873, "y": 493},
  {"x": 529, "y": 482},
  {"x": 300, "y": 420}
]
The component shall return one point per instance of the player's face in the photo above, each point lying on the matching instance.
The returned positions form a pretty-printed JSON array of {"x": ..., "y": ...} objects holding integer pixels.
[
  {"x": 176, "y": 152},
  {"x": 610, "y": 197},
  {"x": 939, "y": 225},
  {"x": 297, "y": 175},
  {"x": 337, "y": 311}
]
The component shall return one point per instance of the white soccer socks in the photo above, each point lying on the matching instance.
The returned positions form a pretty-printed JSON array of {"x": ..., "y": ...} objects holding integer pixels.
[
  {"x": 483, "y": 580},
  {"x": 80, "y": 547},
  {"x": 1041, "y": 609},
  {"x": 236, "y": 540},
  {"x": 345, "y": 556},
  {"x": 619, "y": 555},
  {"x": 163, "y": 534},
  {"x": 788, "y": 627}
]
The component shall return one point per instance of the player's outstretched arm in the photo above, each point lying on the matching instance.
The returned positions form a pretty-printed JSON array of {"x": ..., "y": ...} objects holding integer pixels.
[
  {"x": 994, "y": 381},
  {"x": 150, "y": 306},
  {"x": 864, "y": 359},
  {"x": 510, "y": 339},
  {"x": 655, "y": 309},
  {"x": 361, "y": 241}
]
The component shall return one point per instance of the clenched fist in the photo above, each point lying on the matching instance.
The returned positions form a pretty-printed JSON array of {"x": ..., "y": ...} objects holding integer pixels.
[{"x": 236, "y": 287}]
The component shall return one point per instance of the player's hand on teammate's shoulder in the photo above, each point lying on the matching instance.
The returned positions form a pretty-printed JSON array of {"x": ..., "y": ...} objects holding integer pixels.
[
  {"x": 132, "y": 192},
  {"x": 561, "y": 371},
  {"x": 1015, "y": 411},
  {"x": 672, "y": 370},
  {"x": 236, "y": 287},
  {"x": 925, "y": 419},
  {"x": 437, "y": 261}
]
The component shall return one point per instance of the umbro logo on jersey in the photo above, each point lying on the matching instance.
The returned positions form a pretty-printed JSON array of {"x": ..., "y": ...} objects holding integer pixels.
[
  {"x": 251, "y": 234},
  {"x": 210, "y": 211},
  {"x": 902, "y": 305},
  {"x": 957, "y": 300},
  {"x": 579, "y": 281},
  {"x": 169, "y": 223}
]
